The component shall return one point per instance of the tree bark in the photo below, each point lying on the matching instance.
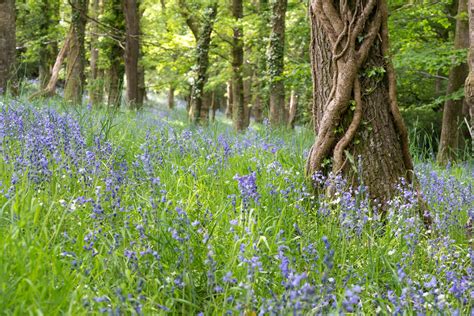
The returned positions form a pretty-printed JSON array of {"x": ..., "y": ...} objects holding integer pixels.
[
  {"x": 451, "y": 130},
  {"x": 7, "y": 43},
  {"x": 247, "y": 90},
  {"x": 115, "y": 73},
  {"x": 43, "y": 68},
  {"x": 141, "y": 84},
  {"x": 171, "y": 97},
  {"x": 95, "y": 84},
  {"x": 276, "y": 64},
  {"x": 75, "y": 77},
  {"x": 292, "y": 109},
  {"x": 469, "y": 84},
  {"x": 347, "y": 42},
  {"x": 115, "y": 53},
  {"x": 205, "y": 107},
  {"x": 258, "y": 108},
  {"x": 214, "y": 105},
  {"x": 238, "y": 110},
  {"x": 132, "y": 51},
  {"x": 46, "y": 53},
  {"x": 261, "y": 95},
  {"x": 141, "y": 69},
  {"x": 199, "y": 106},
  {"x": 230, "y": 99}
]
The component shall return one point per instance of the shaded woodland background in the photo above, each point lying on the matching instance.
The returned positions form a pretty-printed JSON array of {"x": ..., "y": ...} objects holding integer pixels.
[{"x": 192, "y": 50}]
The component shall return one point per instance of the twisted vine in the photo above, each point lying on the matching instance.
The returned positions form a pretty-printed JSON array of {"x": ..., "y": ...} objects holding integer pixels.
[{"x": 349, "y": 57}]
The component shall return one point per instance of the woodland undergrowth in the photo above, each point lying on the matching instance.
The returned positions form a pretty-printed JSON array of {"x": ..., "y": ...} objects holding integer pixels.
[{"x": 141, "y": 213}]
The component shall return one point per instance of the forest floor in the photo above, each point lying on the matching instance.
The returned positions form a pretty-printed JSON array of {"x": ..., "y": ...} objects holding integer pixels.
[{"x": 141, "y": 213}]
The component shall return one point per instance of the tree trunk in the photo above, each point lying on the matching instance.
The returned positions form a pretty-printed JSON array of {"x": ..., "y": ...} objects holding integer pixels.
[
  {"x": 469, "y": 84},
  {"x": 247, "y": 91},
  {"x": 199, "y": 106},
  {"x": 451, "y": 131},
  {"x": 276, "y": 63},
  {"x": 75, "y": 77},
  {"x": 214, "y": 105},
  {"x": 345, "y": 46},
  {"x": 113, "y": 46},
  {"x": 132, "y": 51},
  {"x": 141, "y": 69},
  {"x": 171, "y": 97},
  {"x": 141, "y": 84},
  {"x": 260, "y": 71},
  {"x": 115, "y": 72},
  {"x": 43, "y": 68},
  {"x": 95, "y": 84},
  {"x": 46, "y": 53},
  {"x": 238, "y": 110},
  {"x": 205, "y": 107},
  {"x": 230, "y": 99},
  {"x": 292, "y": 109},
  {"x": 258, "y": 108},
  {"x": 7, "y": 43},
  {"x": 188, "y": 100},
  {"x": 47, "y": 56}
]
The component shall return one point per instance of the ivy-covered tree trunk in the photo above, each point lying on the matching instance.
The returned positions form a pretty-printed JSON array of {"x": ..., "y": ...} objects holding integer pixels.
[
  {"x": 260, "y": 102},
  {"x": 7, "y": 43},
  {"x": 47, "y": 50},
  {"x": 132, "y": 51},
  {"x": 451, "y": 141},
  {"x": 95, "y": 84},
  {"x": 75, "y": 76},
  {"x": 205, "y": 107},
  {"x": 112, "y": 47},
  {"x": 199, "y": 106},
  {"x": 469, "y": 84},
  {"x": 276, "y": 64},
  {"x": 238, "y": 110},
  {"x": 355, "y": 108}
]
